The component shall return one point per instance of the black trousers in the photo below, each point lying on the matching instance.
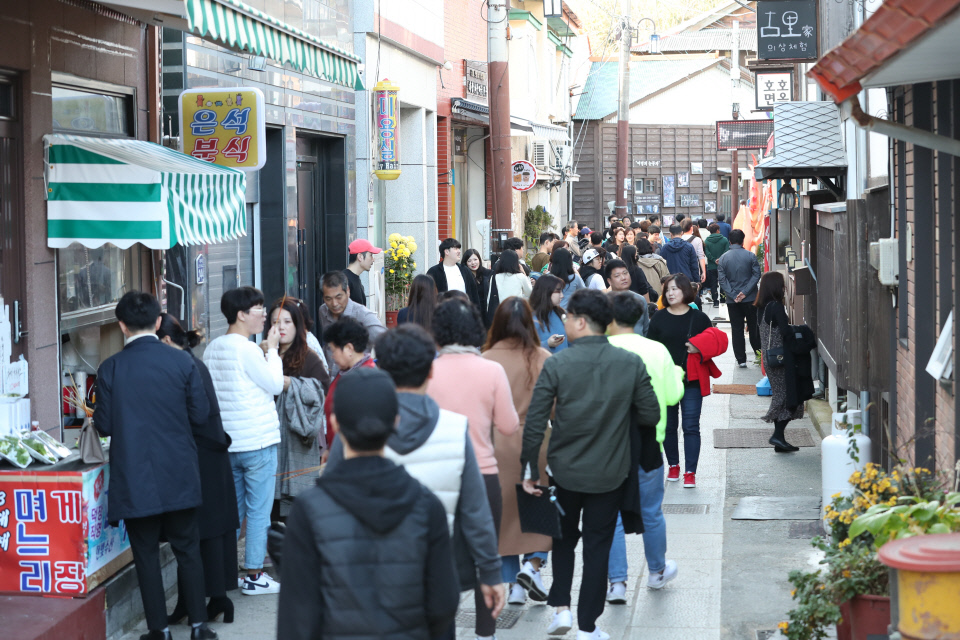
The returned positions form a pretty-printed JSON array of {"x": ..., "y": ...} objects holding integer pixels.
[
  {"x": 712, "y": 283},
  {"x": 599, "y": 523},
  {"x": 486, "y": 623},
  {"x": 180, "y": 529},
  {"x": 740, "y": 311}
]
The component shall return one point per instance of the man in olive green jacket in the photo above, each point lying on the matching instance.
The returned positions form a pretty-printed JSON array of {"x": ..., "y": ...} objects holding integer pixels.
[{"x": 589, "y": 452}]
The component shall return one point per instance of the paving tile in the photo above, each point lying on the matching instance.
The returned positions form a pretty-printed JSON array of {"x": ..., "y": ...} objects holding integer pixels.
[
  {"x": 698, "y": 546},
  {"x": 678, "y": 608}
]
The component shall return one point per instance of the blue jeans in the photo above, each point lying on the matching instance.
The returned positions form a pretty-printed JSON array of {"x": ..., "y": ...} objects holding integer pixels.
[
  {"x": 254, "y": 476},
  {"x": 510, "y": 565},
  {"x": 654, "y": 529},
  {"x": 690, "y": 405}
]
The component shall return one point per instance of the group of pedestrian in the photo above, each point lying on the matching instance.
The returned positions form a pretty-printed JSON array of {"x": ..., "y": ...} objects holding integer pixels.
[{"x": 493, "y": 386}]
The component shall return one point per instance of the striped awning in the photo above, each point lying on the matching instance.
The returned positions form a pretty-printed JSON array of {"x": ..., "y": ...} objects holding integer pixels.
[
  {"x": 126, "y": 191},
  {"x": 239, "y": 25}
]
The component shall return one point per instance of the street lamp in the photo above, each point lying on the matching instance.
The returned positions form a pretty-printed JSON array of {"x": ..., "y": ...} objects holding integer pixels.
[
  {"x": 787, "y": 197},
  {"x": 552, "y": 8}
]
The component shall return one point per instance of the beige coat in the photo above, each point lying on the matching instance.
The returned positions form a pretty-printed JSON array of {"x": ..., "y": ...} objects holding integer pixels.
[{"x": 507, "y": 448}]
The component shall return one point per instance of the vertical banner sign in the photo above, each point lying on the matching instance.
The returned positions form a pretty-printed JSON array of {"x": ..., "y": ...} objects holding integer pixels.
[
  {"x": 224, "y": 126},
  {"x": 386, "y": 116}
]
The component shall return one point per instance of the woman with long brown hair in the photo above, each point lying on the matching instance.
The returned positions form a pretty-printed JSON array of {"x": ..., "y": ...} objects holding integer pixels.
[
  {"x": 421, "y": 303},
  {"x": 513, "y": 342},
  {"x": 774, "y": 328},
  {"x": 300, "y": 406}
]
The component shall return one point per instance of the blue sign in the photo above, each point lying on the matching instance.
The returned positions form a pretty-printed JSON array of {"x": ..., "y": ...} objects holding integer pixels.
[{"x": 201, "y": 269}]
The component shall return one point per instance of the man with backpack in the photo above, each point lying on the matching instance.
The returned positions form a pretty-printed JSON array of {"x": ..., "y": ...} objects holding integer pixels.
[{"x": 680, "y": 255}]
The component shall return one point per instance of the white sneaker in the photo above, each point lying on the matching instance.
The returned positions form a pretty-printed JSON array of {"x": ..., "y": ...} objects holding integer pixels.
[
  {"x": 659, "y": 580},
  {"x": 518, "y": 595},
  {"x": 529, "y": 579},
  {"x": 263, "y": 584},
  {"x": 562, "y": 622},
  {"x": 617, "y": 594},
  {"x": 596, "y": 634}
]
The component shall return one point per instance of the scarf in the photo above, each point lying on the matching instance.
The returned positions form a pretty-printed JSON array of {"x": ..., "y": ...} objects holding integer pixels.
[{"x": 459, "y": 348}]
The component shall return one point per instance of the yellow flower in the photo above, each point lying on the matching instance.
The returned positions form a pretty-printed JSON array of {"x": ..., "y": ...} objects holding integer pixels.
[
  {"x": 413, "y": 264},
  {"x": 793, "y": 594},
  {"x": 783, "y": 626},
  {"x": 391, "y": 270},
  {"x": 412, "y": 246},
  {"x": 394, "y": 237},
  {"x": 393, "y": 245},
  {"x": 846, "y": 573},
  {"x": 836, "y": 495},
  {"x": 408, "y": 239}
]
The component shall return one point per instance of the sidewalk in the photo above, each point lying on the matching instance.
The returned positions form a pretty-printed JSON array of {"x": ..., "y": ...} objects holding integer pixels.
[{"x": 732, "y": 582}]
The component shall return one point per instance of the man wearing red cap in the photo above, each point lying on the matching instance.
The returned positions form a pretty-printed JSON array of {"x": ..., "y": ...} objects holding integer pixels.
[{"x": 361, "y": 259}]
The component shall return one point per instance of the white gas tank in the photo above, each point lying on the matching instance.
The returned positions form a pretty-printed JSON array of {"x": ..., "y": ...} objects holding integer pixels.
[{"x": 836, "y": 464}]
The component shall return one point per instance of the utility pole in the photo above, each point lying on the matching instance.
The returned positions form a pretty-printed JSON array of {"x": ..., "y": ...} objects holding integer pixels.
[
  {"x": 498, "y": 81},
  {"x": 623, "y": 112},
  {"x": 734, "y": 85}
]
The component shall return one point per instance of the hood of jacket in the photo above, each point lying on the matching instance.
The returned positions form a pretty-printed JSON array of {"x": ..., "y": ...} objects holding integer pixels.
[
  {"x": 418, "y": 418},
  {"x": 374, "y": 490},
  {"x": 650, "y": 259},
  {"x": 716, "y": 240},
  {"x": 675, "y": 245}
]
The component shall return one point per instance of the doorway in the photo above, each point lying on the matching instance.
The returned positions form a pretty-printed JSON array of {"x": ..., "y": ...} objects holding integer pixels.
[{"x": 12, "y": 283}]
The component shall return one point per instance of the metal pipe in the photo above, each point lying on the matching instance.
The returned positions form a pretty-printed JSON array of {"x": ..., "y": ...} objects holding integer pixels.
[
  {"x": 851, "y": 109},
  {"x": 623, "y": 111}
]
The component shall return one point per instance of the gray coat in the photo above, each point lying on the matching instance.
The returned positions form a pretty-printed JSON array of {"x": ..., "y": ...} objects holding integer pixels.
[
  {"x": 300, "y": 408},
  {"x": 739, "y": 271}
]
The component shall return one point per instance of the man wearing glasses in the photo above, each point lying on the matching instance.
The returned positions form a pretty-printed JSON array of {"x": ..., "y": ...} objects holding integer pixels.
[{"x": 611, "y": 219}]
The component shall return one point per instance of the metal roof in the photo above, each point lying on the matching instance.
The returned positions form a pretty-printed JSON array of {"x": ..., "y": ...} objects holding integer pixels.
[
  {"x": 599, "y": 97},
  {"x": 808, "y": 142},
  {"x": 704, "y": 40}
]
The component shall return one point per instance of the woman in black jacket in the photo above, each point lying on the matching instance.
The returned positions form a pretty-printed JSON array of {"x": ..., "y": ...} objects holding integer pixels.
[
  {"x": 774, "y": 332},
  {"x": 638, "y": 280},
  {"x": 482, "y": 275},
  {"x": 217, "y": 517},
  {"x": 420, "y": 303}
]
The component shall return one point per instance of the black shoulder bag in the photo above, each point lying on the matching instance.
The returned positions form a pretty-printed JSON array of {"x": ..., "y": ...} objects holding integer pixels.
[{"x": 775, "y": 356}]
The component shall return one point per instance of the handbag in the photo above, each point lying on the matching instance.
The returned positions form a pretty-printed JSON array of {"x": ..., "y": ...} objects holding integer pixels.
[
  {"x": 775, "y": 357},
  {"x": 91, "y": 451},
  {"x": 539, "y": 514}
]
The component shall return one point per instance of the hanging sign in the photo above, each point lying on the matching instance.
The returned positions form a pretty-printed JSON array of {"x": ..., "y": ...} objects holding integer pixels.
[
  {"x": 386, "y": 121},
  {"x": 224, "y": 126},
  {"x": 524, "y": 175},
  {"x": 475, "y": 81},
  {"x": 743, "y": 134},
  {"x": 787, "y": 29},
  {"x": 201, "y": 269},
  {"x": 773, "y": 86}
]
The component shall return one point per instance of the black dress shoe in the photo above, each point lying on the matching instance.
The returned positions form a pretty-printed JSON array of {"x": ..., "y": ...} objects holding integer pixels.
[
  {"x": 780, "y": 445},
  {"x": 157, "y": 635},
  {"x": 203, "y": 632}
]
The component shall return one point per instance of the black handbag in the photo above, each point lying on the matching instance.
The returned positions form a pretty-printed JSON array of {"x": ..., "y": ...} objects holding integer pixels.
[
  {"x": 539, "y": 514},
  {"x": 775, "y": 357}
]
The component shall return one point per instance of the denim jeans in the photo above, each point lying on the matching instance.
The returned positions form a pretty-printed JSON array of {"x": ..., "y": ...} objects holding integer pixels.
[
  {"x": 510, "y": 565},
  {"x": 690, "y": 405},
  {"x": 654, "y": 529},
  {"x": 254, "y": 476}
]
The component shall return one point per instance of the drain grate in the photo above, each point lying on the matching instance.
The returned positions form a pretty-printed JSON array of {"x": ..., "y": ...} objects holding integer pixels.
[
  {"x": 766, "y": 634},
  {"x": 802, "y": 530},
  {"x": 508, "y": 618},
  {"x": 758, "y": 438},
  {"x": 685, "y": 509}
]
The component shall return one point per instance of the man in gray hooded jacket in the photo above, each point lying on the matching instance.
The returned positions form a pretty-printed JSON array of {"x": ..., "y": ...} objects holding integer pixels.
[{"x": 434, "y": 446}]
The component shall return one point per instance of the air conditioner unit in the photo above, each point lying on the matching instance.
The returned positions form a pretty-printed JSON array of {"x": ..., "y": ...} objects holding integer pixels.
[
  {"x": 885, "y": 258},
  {"x": 538, "y": 155}
]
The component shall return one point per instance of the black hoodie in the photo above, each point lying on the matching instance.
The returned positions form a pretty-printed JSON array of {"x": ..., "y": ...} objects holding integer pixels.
[{"x": 367, "y": 554}]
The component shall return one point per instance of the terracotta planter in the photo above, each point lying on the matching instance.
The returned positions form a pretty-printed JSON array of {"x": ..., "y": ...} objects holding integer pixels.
[
  {"x": 844, "y": 632},
  {"x": 869, "y": 616},
  {"x": 392, "y": 319}
]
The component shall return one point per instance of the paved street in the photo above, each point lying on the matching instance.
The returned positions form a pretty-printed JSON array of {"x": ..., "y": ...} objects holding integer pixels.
[{"x": 732, "y": 578}]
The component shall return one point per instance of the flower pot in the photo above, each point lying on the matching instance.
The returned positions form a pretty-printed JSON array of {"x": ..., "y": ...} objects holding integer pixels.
[
  {"x": 392, "y": 319},
  {"x": 869, "y": 616},
  {"x": 844, "y": 632}
]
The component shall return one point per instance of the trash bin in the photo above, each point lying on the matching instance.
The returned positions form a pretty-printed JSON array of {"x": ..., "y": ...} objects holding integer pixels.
[{"x": 928, "y": 581}]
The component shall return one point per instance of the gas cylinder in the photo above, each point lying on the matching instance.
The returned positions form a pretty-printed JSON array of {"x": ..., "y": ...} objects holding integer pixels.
[{"x": 836, "y": 463}]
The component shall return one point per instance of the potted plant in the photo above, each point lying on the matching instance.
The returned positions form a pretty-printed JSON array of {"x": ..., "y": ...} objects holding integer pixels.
[{"x": 398, "y": 273}]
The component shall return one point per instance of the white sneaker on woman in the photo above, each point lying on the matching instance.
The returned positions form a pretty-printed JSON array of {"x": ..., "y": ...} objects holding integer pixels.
[
  {"x": 562, "y": 622},
  {"x": 518, "y": 595}
]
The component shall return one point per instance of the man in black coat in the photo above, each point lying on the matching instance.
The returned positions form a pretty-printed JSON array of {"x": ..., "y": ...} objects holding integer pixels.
[
  {"x": 450, "y": 274},
  {"x": 367, "y": 551},
  {"x": 147, "y": 397}
]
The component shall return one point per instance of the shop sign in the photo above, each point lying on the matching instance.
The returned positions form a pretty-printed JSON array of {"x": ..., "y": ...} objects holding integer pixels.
[
  {"x": 475, "y": 81},
  {"x": 689, "y": 200},
  {"x": 15, "y": 378},
  {"x": 201, "y": 269},
  {"x": 743, "y": 134},
  {"x": 459, "y": 142},
  {"x": 647, "y": 163},
  {"x": 226, "y": 127},
  {"x": 524, "y": 175},
  {"x": 54, "y": 533},
  {"x": 386, "y": 120},
  {"x": 787, "y": 29},
  {"x": 772, "y": 87}
]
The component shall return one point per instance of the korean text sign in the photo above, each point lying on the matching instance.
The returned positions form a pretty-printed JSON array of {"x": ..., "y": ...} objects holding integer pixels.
[
  {"x": 224, "y": 126},
  {"x": 787, "y": 29}
]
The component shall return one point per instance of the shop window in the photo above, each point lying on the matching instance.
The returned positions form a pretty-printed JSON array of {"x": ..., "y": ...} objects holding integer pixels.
[
  {"x": 92, "y": 278},
  {"x": 6, "y": 99},
  {"x": 86, "y": 112},
  {"x": 651, "y": 185}
]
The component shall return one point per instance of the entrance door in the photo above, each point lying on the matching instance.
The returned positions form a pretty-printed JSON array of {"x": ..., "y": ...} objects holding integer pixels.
[
  {"x": 308, "y": 236},
  {"x": 12, "y": 283}
]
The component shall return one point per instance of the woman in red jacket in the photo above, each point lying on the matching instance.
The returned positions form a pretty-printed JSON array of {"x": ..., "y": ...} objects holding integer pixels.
[{"x": 673, "y": 327}]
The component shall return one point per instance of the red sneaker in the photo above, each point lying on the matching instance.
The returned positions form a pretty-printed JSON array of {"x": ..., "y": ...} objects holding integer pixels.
[
  {"x": 689, "y": 480},
  {"x": 673, "y": 473}
]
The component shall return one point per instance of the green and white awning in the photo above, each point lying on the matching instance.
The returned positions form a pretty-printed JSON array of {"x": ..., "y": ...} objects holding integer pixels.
[
  {"x": 239, "y": 25},
  {"x": 126, "y": 191}
]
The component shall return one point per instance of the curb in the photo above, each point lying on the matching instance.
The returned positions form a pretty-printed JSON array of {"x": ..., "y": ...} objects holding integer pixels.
[{"x": 821, "y": 416}]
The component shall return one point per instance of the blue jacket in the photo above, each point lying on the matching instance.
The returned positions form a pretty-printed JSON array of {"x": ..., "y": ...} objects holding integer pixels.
[
  {"x": 724, "y": 229},
  {"x": 682, "y": 258},
  {"x": 553, "y": 327}
]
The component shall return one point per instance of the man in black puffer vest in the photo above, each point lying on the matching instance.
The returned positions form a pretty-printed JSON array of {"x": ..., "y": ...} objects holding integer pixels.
[{"x": 367, "y": 551}]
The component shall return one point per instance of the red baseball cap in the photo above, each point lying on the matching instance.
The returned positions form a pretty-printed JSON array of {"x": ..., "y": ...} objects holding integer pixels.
[{"x": 362, "y": 246}]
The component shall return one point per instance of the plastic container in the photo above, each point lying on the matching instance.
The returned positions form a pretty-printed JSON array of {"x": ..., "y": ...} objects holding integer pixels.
[{"x": 836, "y": 464}]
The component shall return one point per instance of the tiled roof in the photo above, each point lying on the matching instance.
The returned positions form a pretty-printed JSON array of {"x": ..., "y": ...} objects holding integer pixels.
[
  {"x": 807, "y": 140},
  {"x": 896, "y": 25},
  {"x": 705, "y": 40},
  {"x": 600, "y": 94}
]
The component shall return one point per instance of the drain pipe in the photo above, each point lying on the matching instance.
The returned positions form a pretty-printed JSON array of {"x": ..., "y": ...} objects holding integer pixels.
[{"x": 851, "y": 109}]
